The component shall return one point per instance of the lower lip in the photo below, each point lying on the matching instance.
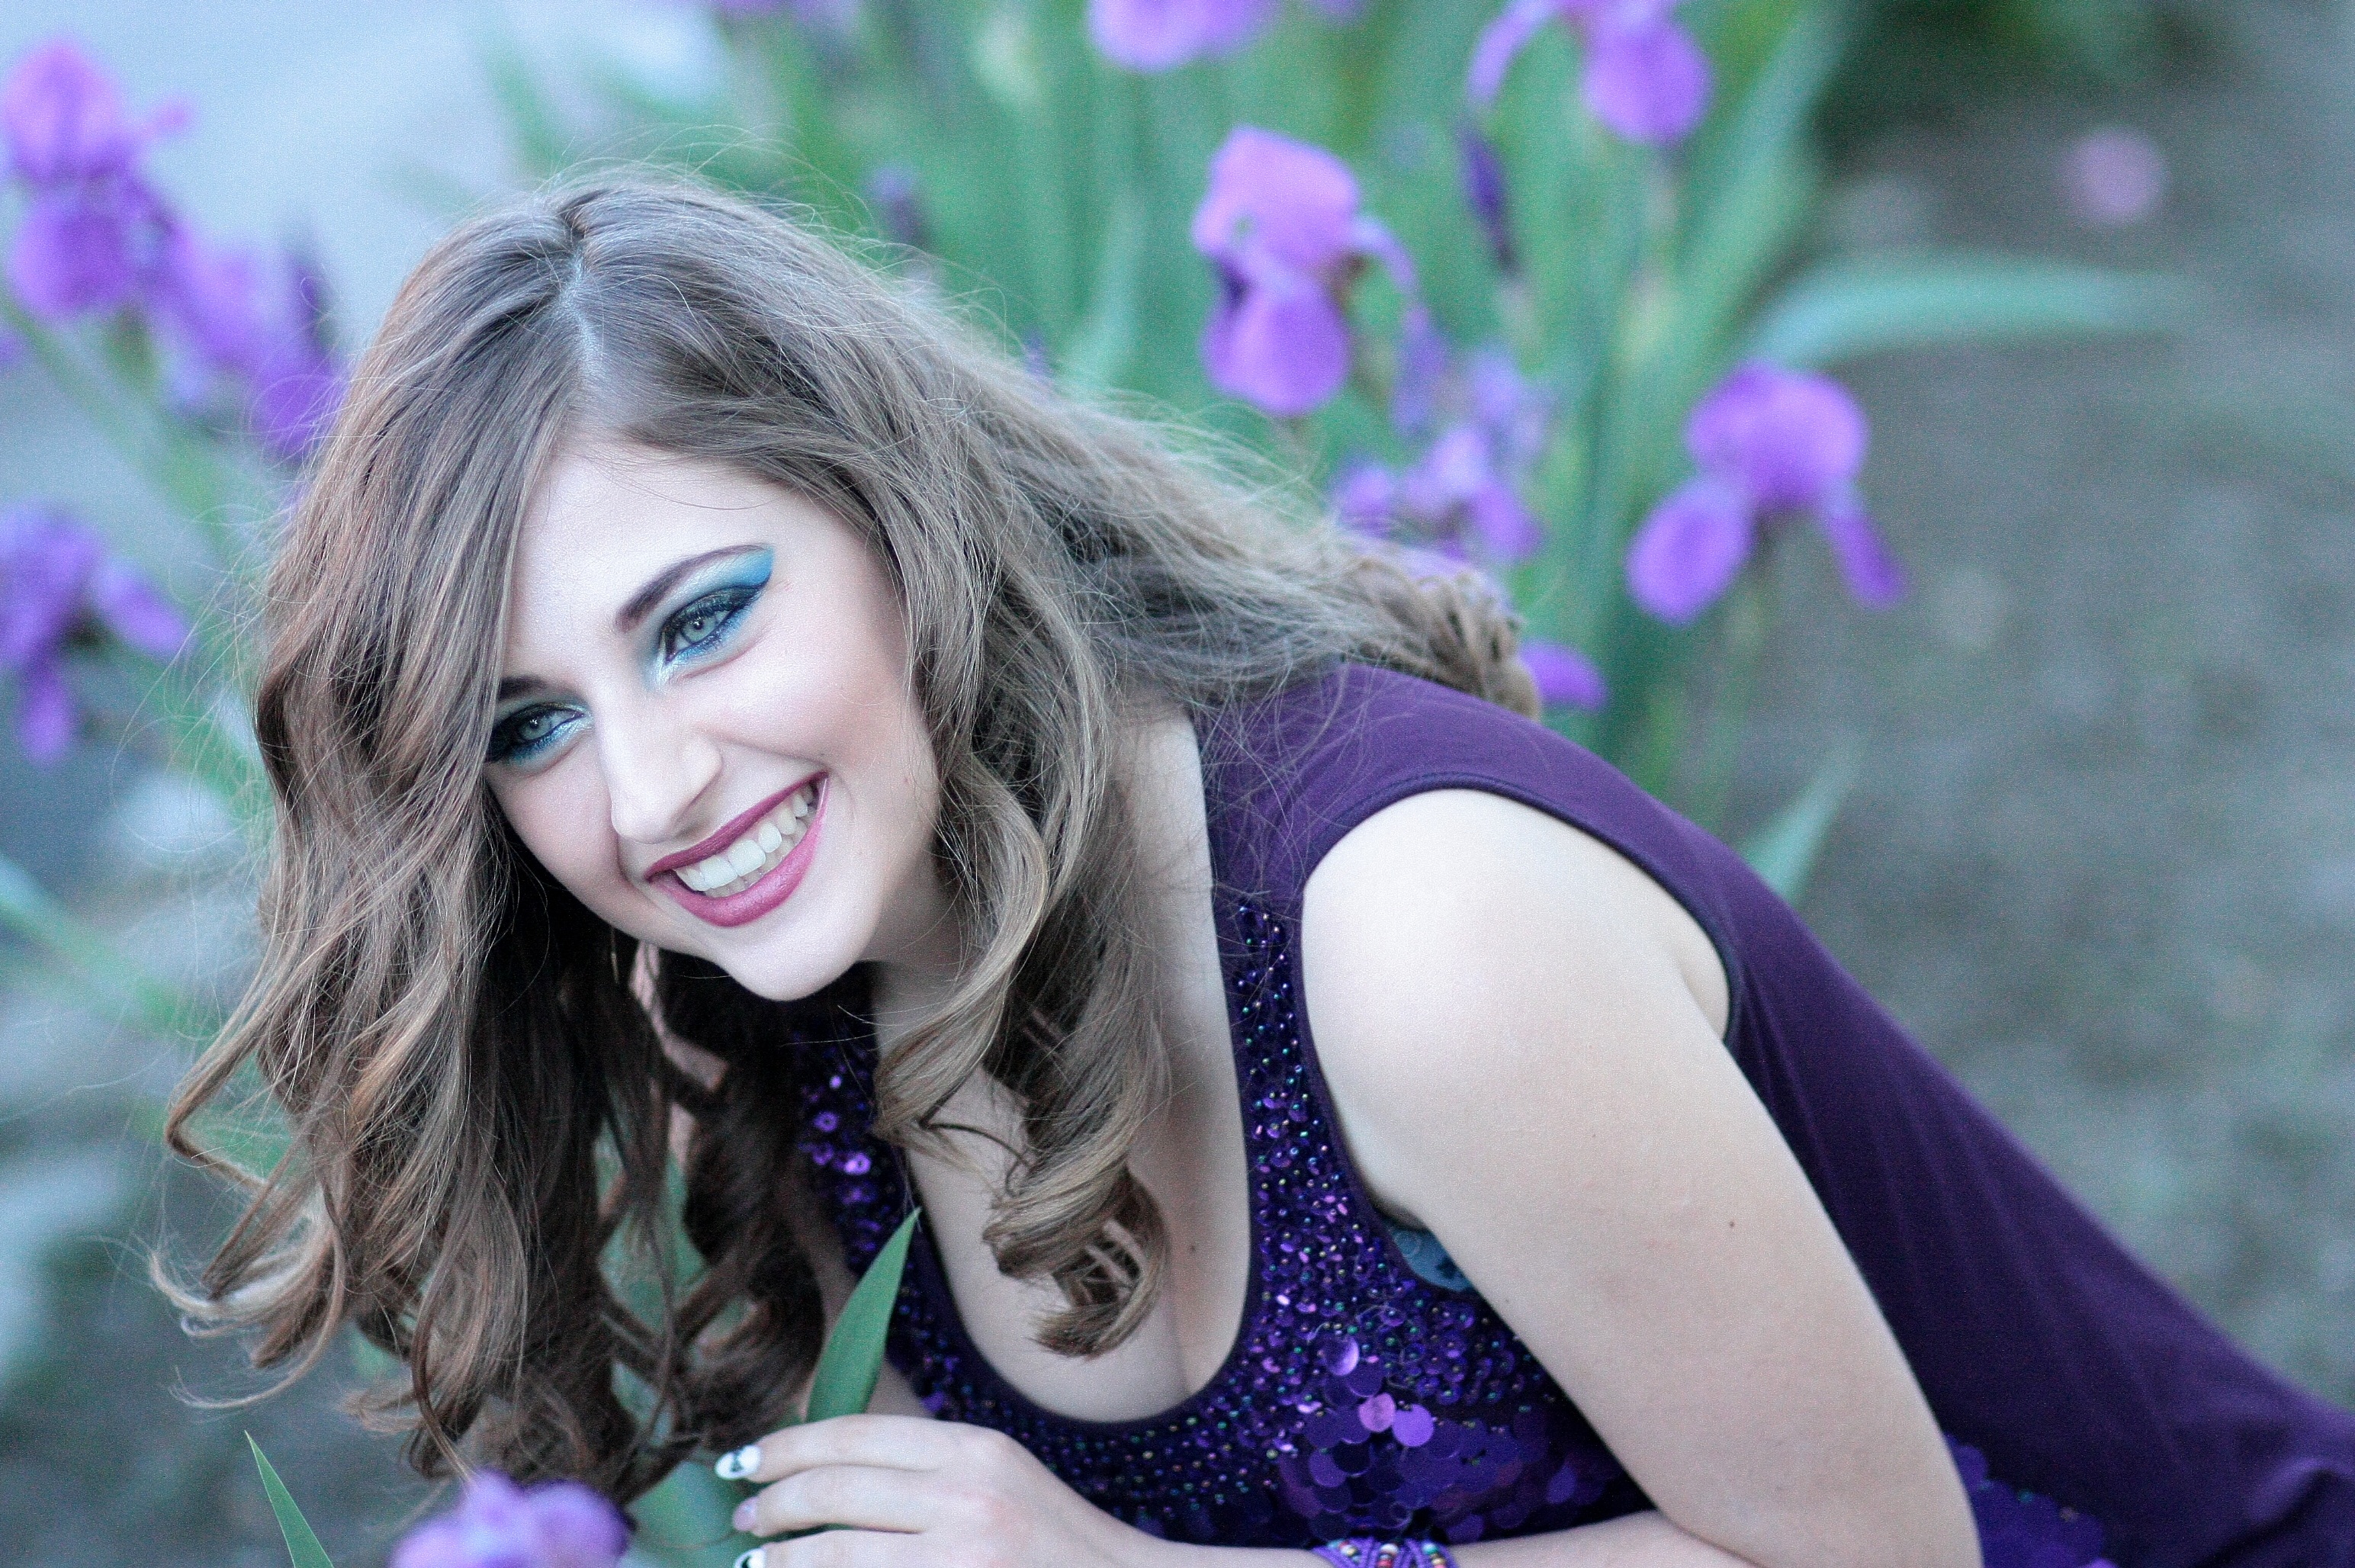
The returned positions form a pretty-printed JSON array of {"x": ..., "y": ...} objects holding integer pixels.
[{"x": 773, "y": 887}]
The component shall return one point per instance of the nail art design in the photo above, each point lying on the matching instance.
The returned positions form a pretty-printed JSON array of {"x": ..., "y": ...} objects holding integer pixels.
[
  {"x": 750, "y": 1560},
  {"x": 737, "y": 1467}
]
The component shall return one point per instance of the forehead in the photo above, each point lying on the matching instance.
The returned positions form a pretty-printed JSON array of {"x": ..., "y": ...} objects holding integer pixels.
[{"x": 608, "y": 518}]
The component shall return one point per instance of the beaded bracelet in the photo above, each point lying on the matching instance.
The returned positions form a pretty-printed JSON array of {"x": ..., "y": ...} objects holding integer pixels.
[{"x": 1364, "y": 1551}]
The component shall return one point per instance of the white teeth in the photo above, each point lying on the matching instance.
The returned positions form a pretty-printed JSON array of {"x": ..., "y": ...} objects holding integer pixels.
[{"x": 756, "y": 854}]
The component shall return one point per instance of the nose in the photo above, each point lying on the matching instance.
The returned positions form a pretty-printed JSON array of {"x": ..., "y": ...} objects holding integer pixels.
[{"x": 656, "y": 771}]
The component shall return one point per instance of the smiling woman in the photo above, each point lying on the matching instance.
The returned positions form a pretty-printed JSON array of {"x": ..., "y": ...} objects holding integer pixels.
[{"x": 714, "y": 704}]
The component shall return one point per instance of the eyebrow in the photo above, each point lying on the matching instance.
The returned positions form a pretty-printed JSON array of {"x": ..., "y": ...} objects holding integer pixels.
[
  {"x": 640, "y": 604},
  {"x": 627, "y": 617}
]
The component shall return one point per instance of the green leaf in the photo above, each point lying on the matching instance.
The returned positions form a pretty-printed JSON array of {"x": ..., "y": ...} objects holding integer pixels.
[
  {"x": 1784, "y": 852},
  {"x": 301, "y": 1541},
  {"x": 1846, "y": 310},
  {"x": 26, "y": 909},
  {"x": 1105, "y": 341},
  {"x": 853, "y": 1357}
]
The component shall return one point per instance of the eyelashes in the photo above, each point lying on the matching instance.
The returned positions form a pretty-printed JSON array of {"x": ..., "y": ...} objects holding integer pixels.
[
  {"x": 702, "y": 626},
  {"x": 695, "y": 633},
  {"x": 529, "y": 733}
]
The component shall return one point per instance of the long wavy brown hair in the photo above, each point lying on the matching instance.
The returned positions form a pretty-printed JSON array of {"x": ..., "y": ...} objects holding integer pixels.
[{"x": 479, "y": 1105}]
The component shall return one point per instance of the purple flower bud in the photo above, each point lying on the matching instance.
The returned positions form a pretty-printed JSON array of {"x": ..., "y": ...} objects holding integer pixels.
[
  {"x": 892, "y": 195},
  {"x": 1565, "y": 678},
  {"x": 62, "y": 119},
  {"x": 1157, "y": 35},
  {"x": 1484, "y": 193},
  {"x": 496, "y": 1524},
  {"x": 1364, "y": 498},
  {"x": 1647, "y": 82},
  {"x": 59, "y": 585},
  {"x": 2113, "y": 177},
  {"x": 1645, "y": 79},
  {"x": 832, "y": 15},
  {"x": 1422, "y": 365},
  {"x": 1770, "y": 443},
  {"x": 1280, "y": 220}
]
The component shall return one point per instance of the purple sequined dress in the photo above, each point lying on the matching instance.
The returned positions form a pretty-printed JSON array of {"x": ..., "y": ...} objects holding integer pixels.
[{"x": 1363, "y": 1396}]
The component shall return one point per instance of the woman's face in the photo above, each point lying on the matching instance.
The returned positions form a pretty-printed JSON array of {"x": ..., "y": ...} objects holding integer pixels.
[{"x": 707, "y": 729}]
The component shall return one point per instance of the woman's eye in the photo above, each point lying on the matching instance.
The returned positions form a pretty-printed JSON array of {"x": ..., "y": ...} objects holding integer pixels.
[
  {"x": 702, "y": 627},
  {"x": 521, "y": 736}
]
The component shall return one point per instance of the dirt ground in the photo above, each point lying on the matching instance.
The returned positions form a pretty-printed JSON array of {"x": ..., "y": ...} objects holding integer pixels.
[{"x": 2100, "y": 857}]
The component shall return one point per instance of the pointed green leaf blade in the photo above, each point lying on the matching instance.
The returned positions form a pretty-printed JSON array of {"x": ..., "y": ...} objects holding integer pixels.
[
  {"x": 301, "y": 1542},
  {"x": 1784, "y": 852},
  {"x": 1846, "y": 310},
  {"x": 853, "y": 1357}
]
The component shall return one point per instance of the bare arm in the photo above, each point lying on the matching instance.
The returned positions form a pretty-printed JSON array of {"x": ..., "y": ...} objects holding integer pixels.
[{"x": 1519, "y": 1042}]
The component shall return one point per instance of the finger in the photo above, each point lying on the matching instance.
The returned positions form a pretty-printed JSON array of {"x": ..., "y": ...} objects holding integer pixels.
[
  {"x": 835, "y": 1549},
  {"x": 889, "y": 1442},
  {"x": 860, "y": 1496}
]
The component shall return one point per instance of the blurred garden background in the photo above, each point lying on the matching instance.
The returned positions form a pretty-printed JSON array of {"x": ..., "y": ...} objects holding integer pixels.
[{"x": 2057, "y": 749}]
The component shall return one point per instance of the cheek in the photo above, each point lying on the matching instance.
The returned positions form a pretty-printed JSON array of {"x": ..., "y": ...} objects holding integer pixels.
[{"x": 561, "y": 818}]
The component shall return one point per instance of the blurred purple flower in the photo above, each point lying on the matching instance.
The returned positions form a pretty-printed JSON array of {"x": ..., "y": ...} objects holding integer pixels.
[
  {"x": 833, "y": 15},
  {"x": 1484, "y": 193},
  {"x": 892, "y": 195},
  {"x": 58, "y": 588},
  {"x": 1565, "y": 678},
  {"x": 1645, "y": 78},
  {"x": 1157, "y": 35},
  {"x": 1160, "y": 35},
  {"x": 12, "y": 350},
  {"x": 63, "y": 123},
  {"x": 558, "y": 1524},
  {"x": 2113, "y": 177},
  {"x": 1486, "y": 426},
  {"x": 1280, "y": 222},
  {"x": 1770, "y": 445},
  {"x": 96, "y": 237},
  {"x": 266, "y": 329},
  {"x": 91, "y": 222}
]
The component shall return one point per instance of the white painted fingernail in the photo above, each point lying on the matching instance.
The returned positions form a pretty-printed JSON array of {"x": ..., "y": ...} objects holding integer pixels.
[
  {"x": 736, "y": 1467},
  {"x": 750, "y": 1560}
]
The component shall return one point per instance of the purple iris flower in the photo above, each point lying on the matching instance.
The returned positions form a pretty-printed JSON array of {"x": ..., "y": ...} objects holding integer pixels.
[
  {"x": 60, "y": 587},
  {"x": 558, "y": 1524},
  {"x": 90, "y": 223},
  {"x": 1160, "y": 35},
  {"x": 1646, "y": 79},
  {"x": 1565, "y": 678},
  {"x": 1280, "y": 222},
  {"x": 265, "y": 327},
  {"x": 1770, "y": 445},
  {"x": 1484, "y": 426}
]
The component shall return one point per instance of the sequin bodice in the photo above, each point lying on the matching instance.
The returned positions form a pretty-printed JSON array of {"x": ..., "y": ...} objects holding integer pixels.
[
  {"x": 1362, "y": 1398},
  {"x": 1359, "y": 1398}
]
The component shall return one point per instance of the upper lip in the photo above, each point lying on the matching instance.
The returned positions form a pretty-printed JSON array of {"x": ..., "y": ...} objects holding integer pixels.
[{"x": 730, "y": 831}]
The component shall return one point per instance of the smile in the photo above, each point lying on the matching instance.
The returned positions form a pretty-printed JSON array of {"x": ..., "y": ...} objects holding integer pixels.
[{"x": 750, "y": 866}]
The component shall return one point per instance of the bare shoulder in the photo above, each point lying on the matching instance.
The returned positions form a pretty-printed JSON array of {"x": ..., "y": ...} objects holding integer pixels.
[
  {"x": 1451, "y": 885},
  {"x": 1522, "y": 1034}
]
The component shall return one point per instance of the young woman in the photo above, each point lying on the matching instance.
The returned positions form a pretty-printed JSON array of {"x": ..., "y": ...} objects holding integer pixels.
[{"x": 1347, "y": 1118}]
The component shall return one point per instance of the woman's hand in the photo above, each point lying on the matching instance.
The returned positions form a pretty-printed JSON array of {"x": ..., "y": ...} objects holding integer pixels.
[{"x": 912, "y": 1493}]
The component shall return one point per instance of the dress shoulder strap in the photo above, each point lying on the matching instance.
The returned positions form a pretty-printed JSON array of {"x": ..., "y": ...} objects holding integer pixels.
[{"x": 1290, "y": 776}]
